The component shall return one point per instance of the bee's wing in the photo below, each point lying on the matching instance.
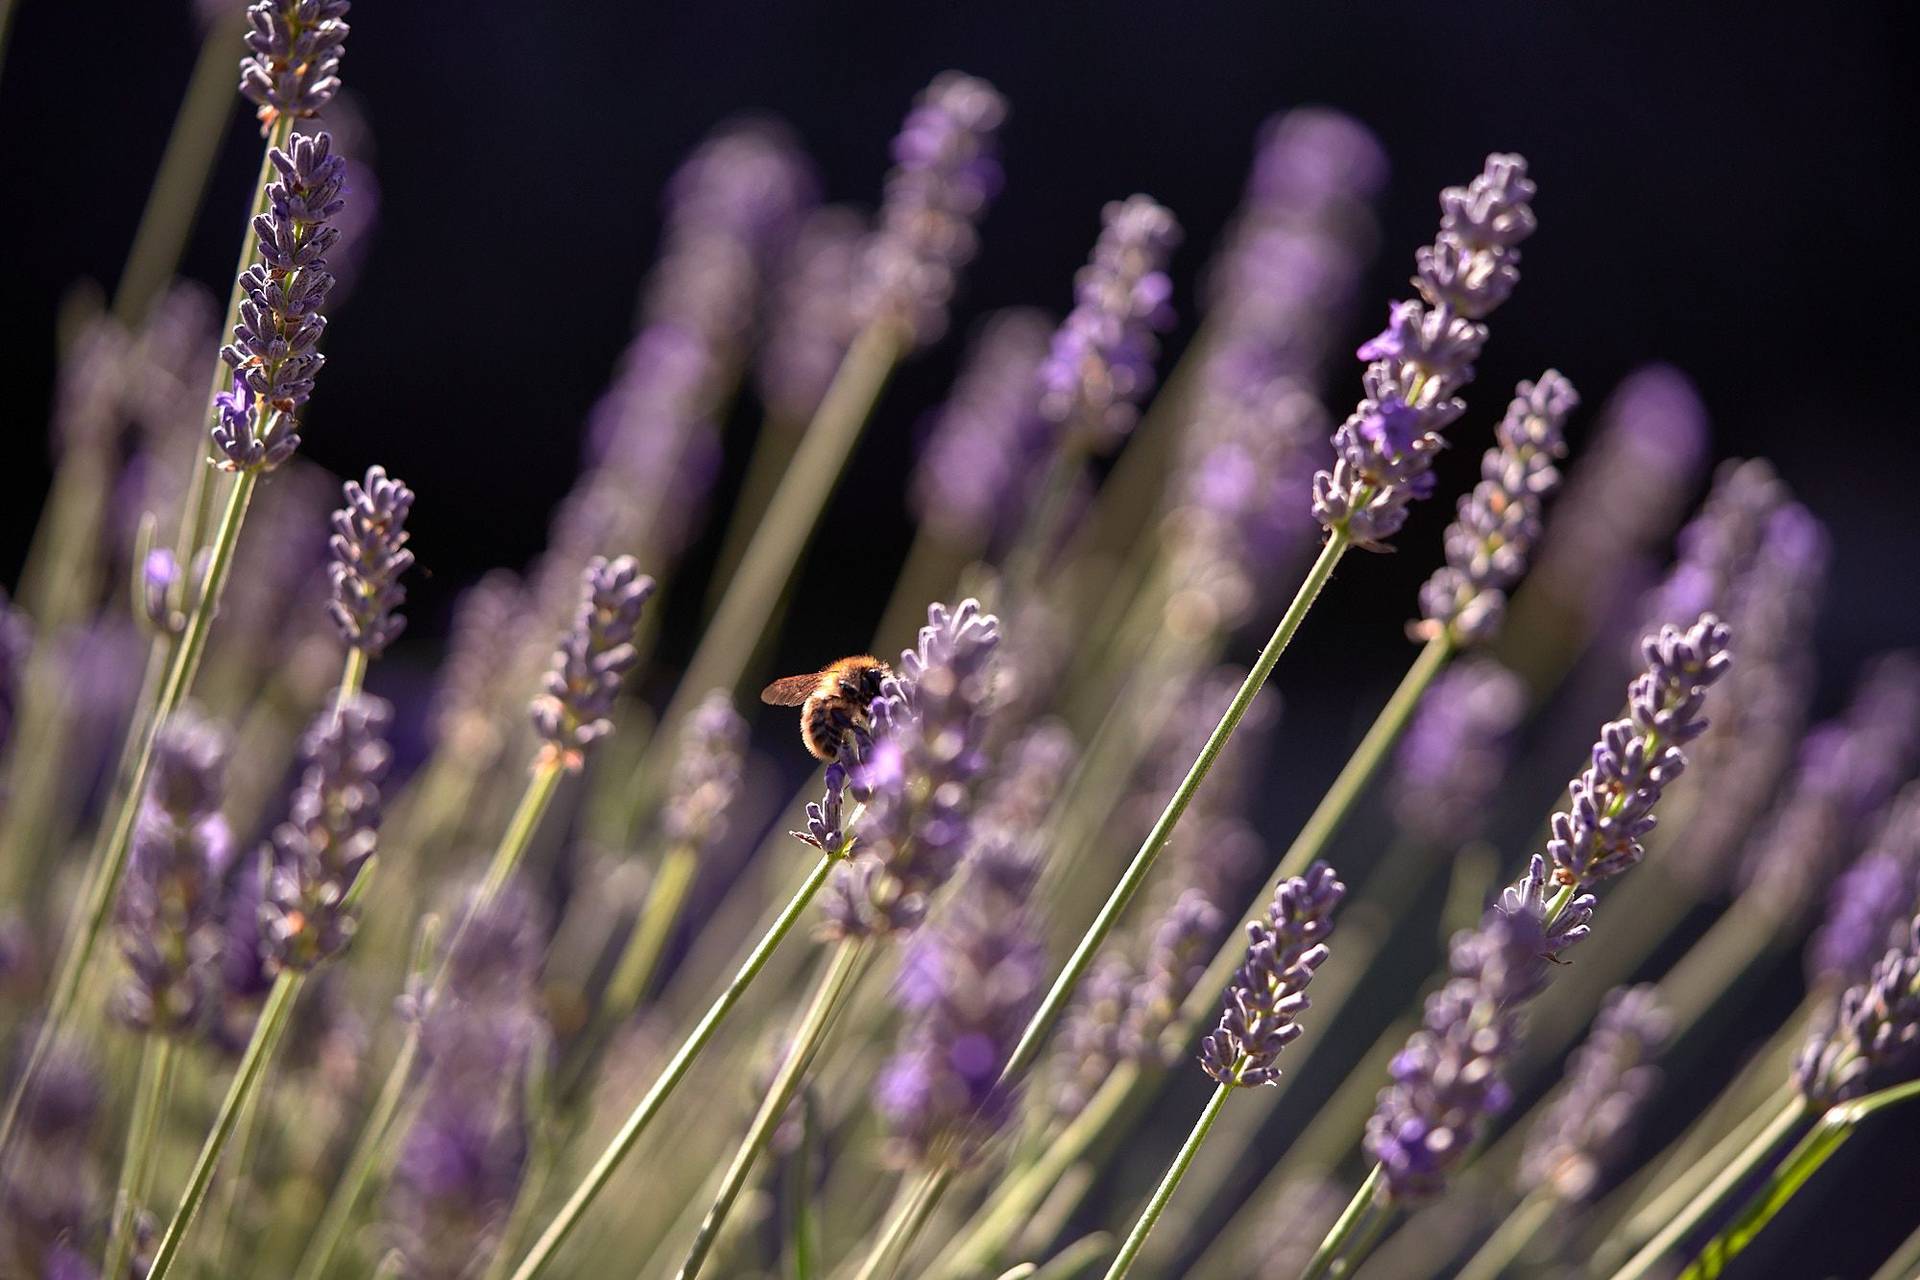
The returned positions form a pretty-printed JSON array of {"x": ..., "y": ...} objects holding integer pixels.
[{"x": 790, "y": 691}]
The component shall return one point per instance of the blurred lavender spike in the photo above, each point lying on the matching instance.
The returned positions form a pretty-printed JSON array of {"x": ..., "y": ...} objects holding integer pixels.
[
  {"x": 481, "y": 647},
  {"x": 1101, "y": 361},
  {"x": 1455, "y": 753},
  {"x": 1028, "y": 778},
  {"x": 293, "y": 59},
  {"x": 812, "y": 319},
  {"x": 1849, "y": 769},
  {"x": 1268, "y": 993},
  {"x": 982, "y": 455},
  {"x": 967, "y": 984},
  {"x": 168, "y": 916},
  {"x": 1588, "y": 1126},
  {"x": 1873, "y": 1038},
  {"x": 16, "y": 641},
  {"x": 1610, "y": 805},
  {"x": 55, "y": 1203},
  {"x": 706, "y": 774},
  {"x": 573, "y": 713},
  {"x": 917, "y": 777},
  {"x": 332, "y": 825},
  {"x": 1719, "y": 546},
  {"x": 946, "y": 172},
  {"x": 1868, "y": 905},
  {"x": 1094, "y": 1033},
  {"x": 1425, "y": 356},
  {"x": 1498, "y": 523},
  {"x": 369, "y": 554}
]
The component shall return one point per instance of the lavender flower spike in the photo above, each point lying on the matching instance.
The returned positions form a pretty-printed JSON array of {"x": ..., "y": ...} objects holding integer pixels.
[
  {"x": 592, "y": 658},
  {"x": 369, "y": 553},
  {"x": 1101, "y": 361},
  {"x": 917, "y": 777},
  {"x": 1269, "y": 991},
  {"x": 1425, "y": 356},
  {"x": 1867, "y": 907},
  {"x": 16, "y": 639},
  {"x": 946, "y": 171},
  {"x": 1455, "y": 752},
  {"x": 275, "y": 349},
  {"x": 1610, "y": 805},
  {"x": 1873, "y": 1035},
  {"x": 333, "y": 822},
  {"x": 1609, "y": 1080},
  {"x": 706, "y": 774},
  {"x": 294, "y": 49},
  {"x": 1499, "y": 522},
  {"x": 170, "y": 900}
]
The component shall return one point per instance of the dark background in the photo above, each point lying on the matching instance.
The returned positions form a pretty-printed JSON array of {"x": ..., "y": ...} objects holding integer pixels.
[{"x": 1720, "y": 188}]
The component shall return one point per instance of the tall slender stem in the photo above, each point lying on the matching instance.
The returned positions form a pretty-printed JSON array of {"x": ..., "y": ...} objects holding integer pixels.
[
  {"x": 676, "y": 1069},
  {"x": 808, "y": 1035},
  {"x": 1716, "y": 1192},
  {"x": 534, "y": 802},
  {"x": 1143, "y": 1226},
  {"x": 1800, "y": 1164},
  {"x": 1510, "y": 1238},
  {"x": 248, "y": 1078},
  {"x": 136, "y": 1165},
  {"x": 1363, "y": 1203},
  {"x": 909, "y": 1215}
]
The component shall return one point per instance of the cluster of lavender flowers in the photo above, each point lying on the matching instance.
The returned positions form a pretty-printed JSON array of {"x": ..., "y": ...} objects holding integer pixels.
[
  {"x": 915, "y": 778},
  {"x": 1268, "y": 993},
  {"x": 294, "y": 49},
  {"x": 1868, "y": 904},
  {"x": 1873, "y": 1037},
  {"x": 50, "y": 1218},
  {"x": 1455, "y": 752},
  {"x": 706, "y": 774},
  {"x": 1609, "y": 1080},
  {"x": 1498, "y": 523},
  {"x": 1423, "y": 358},
  {"x": 369, "y": 553},
  {"x": 591, "y": 660}
]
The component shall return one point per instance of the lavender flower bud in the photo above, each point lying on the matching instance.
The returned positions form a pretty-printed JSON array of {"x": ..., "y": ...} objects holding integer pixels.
[
  {"x": 917, "y": 778},
  {"x": 706, "y": 774},
  {"x": 968, "y": 985},
  {"x": 1423, "y": 358},
  {"x": 1869, "y": 905},
  {"x": 575, "y": 710},
  {"x": 275, "y": 349},
  {"x": 813, "y": 319},
  {"x": 1610, "y": 805},
  {"x": 1268, "y": 992},
  {"x": 1093, "y": 1033},
  {"x": 985, "y": 446},
  {"x": 1455, "y": 752},
  {"x": 1100, "y": 364},
  {"x": 1449, "y": 1080},
  {"x": 333, "y": 823},
  {"x": 294, "y": 56},
  {"x": 16, "y": 641},
  {"x": 1873, "y": 1038},
  {"x": 1609, "y": 1079},
  {"x": 369, "y": 553},
  {"x": 1498, "y": 523},
  {"x": 946, "y": 172},
  {"x": 826, "y": 817},
  {"x": 1181, "y": 946},
  {"x": 170, "y": 897}
]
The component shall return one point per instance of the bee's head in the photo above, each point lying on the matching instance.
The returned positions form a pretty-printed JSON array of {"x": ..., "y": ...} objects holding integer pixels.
[{"x": 869, "y": 677}]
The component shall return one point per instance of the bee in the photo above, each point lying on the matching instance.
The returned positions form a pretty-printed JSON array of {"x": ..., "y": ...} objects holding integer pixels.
[{"x": 831, "y": 700}]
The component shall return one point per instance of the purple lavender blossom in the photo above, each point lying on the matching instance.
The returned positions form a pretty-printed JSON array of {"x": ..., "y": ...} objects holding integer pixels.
[
  {"x": 979, "y": 465},
  {"x": 1178, "y": 951},
  {"x": 92, "y": 386},
  {"x": 170, "y": 897},
  {"x": 1268, "y": 992},
  {"x": 1497, "y": 525},
  {"x": 1610, "y": 805},
  {"x": 812, "y": 320},
  {"x": 1093, "y": 1033},
  {"x": 1455, "y": 753},
  {"x": 1425, "y": 356},
  {"x": 1449, "y": 1081},
  {"x": 706, "y": 774},
  {"x": 293, "y": 59},
  {"x": 1718, "y": 547},
  {"x": 1848, "y": 771},
  {"x": 1609, "y": 1080},
  {"x": 1873, "y": 1037},
  {"x": 275, "y": 352},
  {"x": 369, "y": 553},
  {"x": 929, "y": 729},
  {"x": 16, "y": 641},
  {"x": 593, "y": 657},
  {"x": 1868, "y": 905},
  {"x": 1028, "y": 778},
  {"x": 826, "y": 817},
  {"x": 332, "y": 826},
  {"x": 52, "y": 1206},
  {"x": 946, "y": 172},
  {"x": 1100, "y": 364},
  {"x": 968, "y": 984}
]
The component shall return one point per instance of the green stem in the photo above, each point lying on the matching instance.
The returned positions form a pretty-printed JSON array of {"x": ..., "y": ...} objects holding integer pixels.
[
  {"x": 808, "y": 1035},
  {"x": 353, "y": 678},
  {"x": 747, "y": 610},
  {"x": 801, "y": 1255},
  {"x": 248, "y": 1078},
  {"x": 1143, "y": 1226},
  {"x": 910, "y": 1214},
  {"x": 636, "y": 1123},
  {"x": 534, "y": 802},
  {"x": 1337, "y": 1239},
  {"x": 136, "y": 1165},
  {"x": 1731, "y": 1176},
  {"x": 1512, "y": 1236}
]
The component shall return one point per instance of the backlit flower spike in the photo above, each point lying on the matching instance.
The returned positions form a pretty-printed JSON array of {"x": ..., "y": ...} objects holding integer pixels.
[
  {"x": 575, "y": 710},
  {"x": 1268, "y": 993},
  {"x": 368, "y": 553},
  {"x": 293, "y": 58}
]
